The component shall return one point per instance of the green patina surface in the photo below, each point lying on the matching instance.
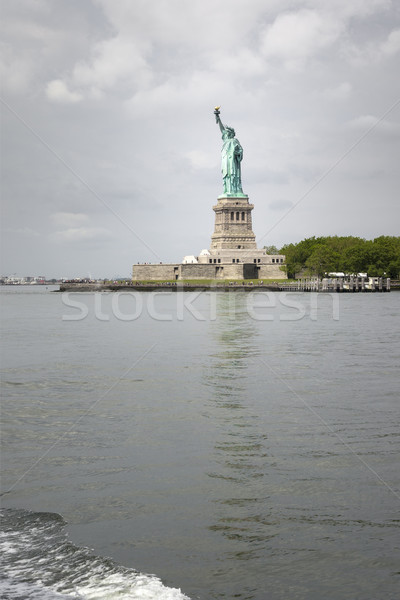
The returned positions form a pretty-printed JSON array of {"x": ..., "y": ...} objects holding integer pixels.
[{"x": 231, "y": 158}]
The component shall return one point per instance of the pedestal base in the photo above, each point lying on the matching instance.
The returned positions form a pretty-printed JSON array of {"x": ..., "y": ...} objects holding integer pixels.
[{"x": 233, "y": 223}]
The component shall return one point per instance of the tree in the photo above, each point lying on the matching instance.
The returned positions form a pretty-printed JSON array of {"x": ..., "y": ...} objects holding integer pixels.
[
  {"x": 271, "y": 250},
  {"x": 322, "y": 261},
  {"x": 394, "y": 269},
  {"x": 349, "y": 254},
  {"x": 357, "y": 258}
]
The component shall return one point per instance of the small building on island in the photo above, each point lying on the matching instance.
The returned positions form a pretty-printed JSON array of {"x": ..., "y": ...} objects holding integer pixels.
[{"x": 233, "y": 253}]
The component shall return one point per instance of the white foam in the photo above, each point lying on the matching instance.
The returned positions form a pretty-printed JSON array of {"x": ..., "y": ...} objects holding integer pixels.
[
  {"x": 19, "y": 590},
  {"x": 125, "y": 587},
  {"x": 41, "y": 563}
]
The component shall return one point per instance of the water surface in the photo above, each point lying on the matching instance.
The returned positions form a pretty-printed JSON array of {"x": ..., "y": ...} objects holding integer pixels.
[{"x": 233, "y": 445}]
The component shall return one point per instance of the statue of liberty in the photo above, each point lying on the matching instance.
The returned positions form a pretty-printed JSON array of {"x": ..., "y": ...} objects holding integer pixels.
[{"x": 232, "y": 154}]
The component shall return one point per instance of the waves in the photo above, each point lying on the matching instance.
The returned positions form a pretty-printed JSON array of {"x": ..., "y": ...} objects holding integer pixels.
[{"x": 40, "y": 562}]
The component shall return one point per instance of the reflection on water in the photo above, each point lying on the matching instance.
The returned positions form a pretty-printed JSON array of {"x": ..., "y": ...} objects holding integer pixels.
[
  {"x": 200, "y": 464},
  {"x": 288, "y": 494},
  {"x": 241, "y": 449}
]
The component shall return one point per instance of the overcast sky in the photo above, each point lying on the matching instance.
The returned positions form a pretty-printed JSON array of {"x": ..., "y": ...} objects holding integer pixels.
[{"x": 111, "y": 153}]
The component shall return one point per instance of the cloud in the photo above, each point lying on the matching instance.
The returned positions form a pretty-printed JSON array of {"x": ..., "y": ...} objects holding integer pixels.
[
  {"x": 200, "y": 160},
  {"x": 116, "y": 66},
  {"x": 339, "y": 92},
  {"x": 75, "y": 229},
  {"x": 381, "y": 126},
  {"x": 181, "y": 95},
  {"x": 360, "y": 9},
  {"x": 279, "y": 205},
  {"x": 81, "y": 234},
  {"x": 185, "y": 26},
  {"x": 15, "y": 71},
  {"x": 124, "y": 92},
  {"x": 391, "y": 45},
  {"x": 25, "y": 231},
  {"x": 243, "y": 63},
  {"x": 295, "y": 37},
  {"x": 65, "y": 219},
  {"x": 374, "y": 51},
  {"x": 115, "y": 62},
  {"x": 58, "y": 91}
]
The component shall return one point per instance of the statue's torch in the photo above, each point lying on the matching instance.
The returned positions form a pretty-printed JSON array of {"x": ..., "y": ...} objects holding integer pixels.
[{"x": 216, "y": 113}]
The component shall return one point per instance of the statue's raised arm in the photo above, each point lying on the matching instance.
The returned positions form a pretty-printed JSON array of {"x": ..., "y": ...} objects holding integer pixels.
[
  {"x": 232, "y": 154},
  {"x": 218, "y": 120}
]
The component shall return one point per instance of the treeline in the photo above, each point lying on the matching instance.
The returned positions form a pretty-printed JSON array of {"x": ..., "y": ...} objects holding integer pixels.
[{"x": 318, "y": 256}]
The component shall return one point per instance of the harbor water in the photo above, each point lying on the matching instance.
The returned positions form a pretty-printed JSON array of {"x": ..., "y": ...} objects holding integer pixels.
[{"x": 203, "y": 445}]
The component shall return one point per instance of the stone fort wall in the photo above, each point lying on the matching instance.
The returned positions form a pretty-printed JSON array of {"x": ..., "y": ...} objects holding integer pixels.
[
  {"x": 177, "y": 272},
  {"x": 162, "y": 272}
]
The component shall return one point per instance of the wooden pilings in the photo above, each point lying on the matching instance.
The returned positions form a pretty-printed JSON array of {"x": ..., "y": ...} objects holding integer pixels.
[{"x": 339, "y": 285}]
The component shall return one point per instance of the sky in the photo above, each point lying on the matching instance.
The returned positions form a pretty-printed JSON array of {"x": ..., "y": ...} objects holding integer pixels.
[{"x": 110, "y": 150}]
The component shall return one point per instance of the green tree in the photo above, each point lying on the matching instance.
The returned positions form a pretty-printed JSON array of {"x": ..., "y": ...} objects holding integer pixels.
[
  {"x": 271, "y": 250},
  {"x": 393, "y": 269},
  {"x": 322, "y": 260},
  {"x": 355, "y": 259},
  {"x": 349, "y": 254}
]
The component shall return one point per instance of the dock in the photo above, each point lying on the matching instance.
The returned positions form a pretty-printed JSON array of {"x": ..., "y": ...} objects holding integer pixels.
[
  {"x": 329, "y": 285},
  {"x": 338, "y": 285}
]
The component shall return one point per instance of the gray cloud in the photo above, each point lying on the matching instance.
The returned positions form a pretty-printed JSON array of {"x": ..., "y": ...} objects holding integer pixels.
[
  {"x": 280, "y": 205},
  {"x": 111, "y": 152}
]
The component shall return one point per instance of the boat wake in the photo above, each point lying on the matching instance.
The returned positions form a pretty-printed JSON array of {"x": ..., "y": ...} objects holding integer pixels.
[{"x": 39, "y": 562}]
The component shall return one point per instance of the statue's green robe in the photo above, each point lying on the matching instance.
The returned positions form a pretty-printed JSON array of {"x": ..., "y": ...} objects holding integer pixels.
[{"x": 232, "y": 154}]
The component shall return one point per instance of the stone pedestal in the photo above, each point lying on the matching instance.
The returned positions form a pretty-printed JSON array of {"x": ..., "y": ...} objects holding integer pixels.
[{"x": 233, "y": 224}]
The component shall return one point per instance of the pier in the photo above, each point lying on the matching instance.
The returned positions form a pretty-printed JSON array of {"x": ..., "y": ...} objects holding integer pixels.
[
  {"x": 331, "y": 285},
  {"x": 338, "y": 285}
]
